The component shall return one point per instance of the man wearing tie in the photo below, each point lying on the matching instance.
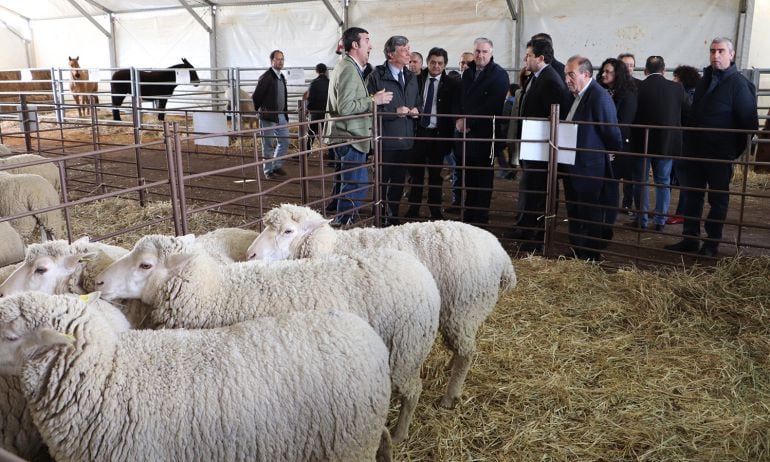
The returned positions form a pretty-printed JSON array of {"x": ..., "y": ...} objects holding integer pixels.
[
  {"x": 270, "y": 99},
  {"x": 584, "y": 180},
  {"x": 397, "y": 120},
  {"x": 438, "y": 93}
]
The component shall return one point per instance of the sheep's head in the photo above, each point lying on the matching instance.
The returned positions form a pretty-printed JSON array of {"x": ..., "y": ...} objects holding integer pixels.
[
  {"x": 47, "y": 268},
  {"x": 148, "y": 263},
  {"x": 32, "y": 323},
  {"x": 286, "y": 228}
]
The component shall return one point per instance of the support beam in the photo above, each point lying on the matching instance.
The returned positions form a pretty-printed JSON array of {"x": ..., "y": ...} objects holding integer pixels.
[
  {"x": 743, "y": 39},
  {"x": 333, "y": 12},
  {"x": 8, "y": 10},
  {"x": 512, "y": 10},
  {"x": 99, "y": 6},
  {"x": 15, "y": 32},
  {"x": 195, "y": 15},
  {"x": 89, "y": 17}
]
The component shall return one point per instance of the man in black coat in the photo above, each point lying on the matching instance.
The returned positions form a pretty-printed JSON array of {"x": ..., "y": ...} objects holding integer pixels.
[
  {"x": 438, "y": 100},
  {"x": 482, "y": 93},
  {"x": 271, "y": 100},
  {"x": 316, "y": 96},
  {"x": 544, "y": 88},
  {"x": 723, "y": 99},
  {"x": 660, "y": 102}
]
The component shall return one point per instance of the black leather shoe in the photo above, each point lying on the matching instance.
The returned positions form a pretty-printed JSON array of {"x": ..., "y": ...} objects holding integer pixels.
[
  {"x": 708, "y": 251},
  {"x": 659, "y": 227},
  {"x": 279, "y": 172},
  {"x": 685, "y": 245}
]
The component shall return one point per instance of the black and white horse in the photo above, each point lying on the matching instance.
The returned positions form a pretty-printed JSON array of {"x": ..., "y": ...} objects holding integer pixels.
[{"x": 155, "y": 86}]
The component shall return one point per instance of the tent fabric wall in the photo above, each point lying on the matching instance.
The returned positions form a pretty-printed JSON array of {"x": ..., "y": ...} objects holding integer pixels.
[
  {"x": 680, "y": 30},
  {"x": 305, "y": 32},
  {"x": 54, "y": 40},
  {"x": 14, "y": 55},
  {"x": 450, "y": 24}
]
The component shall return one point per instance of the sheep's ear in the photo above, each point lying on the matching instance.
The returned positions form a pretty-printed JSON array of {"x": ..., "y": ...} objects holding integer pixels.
[
  {"x": 91, "y": 297},
  {"x": 187, "y": 239},
  {"x": 314, "y": 223},
  {"x": 175, "y": 263},
  {"x": 44, "y": 339}
]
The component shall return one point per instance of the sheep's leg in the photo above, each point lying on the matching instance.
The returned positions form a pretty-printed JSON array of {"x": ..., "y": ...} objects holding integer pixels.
[
  {"x": 461, "y": 363},
  {"x": 385, "y": 451},
  {"x": 408, "y": 405}
]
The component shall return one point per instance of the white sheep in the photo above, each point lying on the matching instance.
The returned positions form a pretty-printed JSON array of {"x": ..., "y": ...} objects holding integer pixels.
[
  {"x": 468, "y": 263},
  {"x": 248, "y": 114},
  {"x": 18, "y": 432},
  {"x": 303, "y": 386},
  {"x": 11, "y": 245},
  {"x": 26, "y": 192},
  {"x": 390, "y": 289},
  {"x": 48, "y": 171},
  {"x": 227, "y": 245}
]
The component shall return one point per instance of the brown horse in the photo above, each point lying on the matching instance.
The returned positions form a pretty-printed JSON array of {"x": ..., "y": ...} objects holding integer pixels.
[{"x": 83, "y": 91}]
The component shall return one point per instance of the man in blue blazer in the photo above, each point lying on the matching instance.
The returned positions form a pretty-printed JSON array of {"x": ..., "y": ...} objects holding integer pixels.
[{"x": 584, "y": 180}]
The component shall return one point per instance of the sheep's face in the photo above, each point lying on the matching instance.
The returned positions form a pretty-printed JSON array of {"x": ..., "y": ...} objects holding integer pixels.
[
  {"x": 128, "y": 276},
  {"x": 278, "y": 242},
  {"x": 43, "y": 274}
]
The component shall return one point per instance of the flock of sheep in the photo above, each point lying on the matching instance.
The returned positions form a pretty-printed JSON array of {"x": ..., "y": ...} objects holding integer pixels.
[
  {"x": 234, "y": 345},
  {"x": 24, "y": 189}
]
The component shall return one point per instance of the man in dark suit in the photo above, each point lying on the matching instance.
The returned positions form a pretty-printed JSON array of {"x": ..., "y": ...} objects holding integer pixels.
[
  {"x": 482, "y": 93},
  {"x": 660, "y": 102},
  {"x": 557, "y": 65},
  {"x": 438, "y": 93},
  {"x": 584, "y": 180},
  {"x": 544, "y": 88}
]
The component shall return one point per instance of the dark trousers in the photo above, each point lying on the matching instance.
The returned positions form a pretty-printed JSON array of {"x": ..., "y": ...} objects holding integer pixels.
[
  {"x": 393, "y": 177},
  {"x": 585, "y": 218},
  {"x": 534, "y": 181},
  {"x": 479, "y": 178},
  {"x": 429, "y": 154},
  {"x": 700, "y": 174}
]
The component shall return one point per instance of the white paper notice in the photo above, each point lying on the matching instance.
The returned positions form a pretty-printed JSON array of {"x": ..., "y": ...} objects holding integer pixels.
[
  {"x": 182, "y": 76},
  {"x": 538, "y": 132},
  {"x": 211, "y": 122},
  {"x": 295, "y": 76}
]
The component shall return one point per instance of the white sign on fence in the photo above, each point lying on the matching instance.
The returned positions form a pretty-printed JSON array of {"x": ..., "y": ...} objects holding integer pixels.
[
  {"x": 211, "y": 122},
  {"x": 31, "y": 115},
  {"x": 295, "y": 76},
  {"x": 182, "y": 76},
  {"x": 540, "y": 130}
]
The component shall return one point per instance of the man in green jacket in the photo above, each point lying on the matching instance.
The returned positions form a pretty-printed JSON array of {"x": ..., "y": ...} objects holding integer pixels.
[{"x": 348, "y": 96}]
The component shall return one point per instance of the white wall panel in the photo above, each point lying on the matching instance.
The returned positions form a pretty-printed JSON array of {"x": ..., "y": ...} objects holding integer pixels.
[{"x": 55, "y": 40}]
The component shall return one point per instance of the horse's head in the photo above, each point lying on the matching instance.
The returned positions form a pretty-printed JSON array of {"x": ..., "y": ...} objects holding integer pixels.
[
  {"x": 193, "y": 75},
  {"x": 75, "y": 65}
]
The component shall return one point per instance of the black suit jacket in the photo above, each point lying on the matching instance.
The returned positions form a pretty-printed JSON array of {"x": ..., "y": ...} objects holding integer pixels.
[
  {"x": 547, "y": 89},
  {"x": 660, "y": 102},
  {"x": 264, "y": 96},
  {"x": 446, "y": 93},
  {"x": 484, "y": 95}
]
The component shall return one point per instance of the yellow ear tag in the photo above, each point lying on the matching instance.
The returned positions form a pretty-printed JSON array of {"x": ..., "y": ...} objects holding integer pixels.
[
  {"x": 71, "y": 337},
  {"x": 84, "y": 298}
]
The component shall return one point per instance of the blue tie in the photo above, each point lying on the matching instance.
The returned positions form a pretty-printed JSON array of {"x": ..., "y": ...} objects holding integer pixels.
[
  {"x": 401, "y": 78},
  {"x": 427, "y": 108}
]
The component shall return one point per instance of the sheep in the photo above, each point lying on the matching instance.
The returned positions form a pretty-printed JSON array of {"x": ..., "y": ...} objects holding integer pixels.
[
  {"x": 302, "y": 386},
  {"x": 25, "y": 192},
  {"x": 58, "y": 267},
  {"x": 468, "y": 263},
  {"x": 48, "y": 171},
  {"x": 18, "y": 432},
  {"x": 248, "y": 113},
  {"x": 11, "y": 245},
  {"x": 392, "y": 290},
  {"x": 227, "y": 245}
]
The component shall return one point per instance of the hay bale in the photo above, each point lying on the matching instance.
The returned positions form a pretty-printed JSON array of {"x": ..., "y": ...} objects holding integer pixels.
[{"x": 581, "y": 364}]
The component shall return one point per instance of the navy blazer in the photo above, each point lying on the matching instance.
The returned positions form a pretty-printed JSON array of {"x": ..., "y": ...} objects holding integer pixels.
[
  {"x": 596, "y": 105},
  {"x": 660, "y": 102}
]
